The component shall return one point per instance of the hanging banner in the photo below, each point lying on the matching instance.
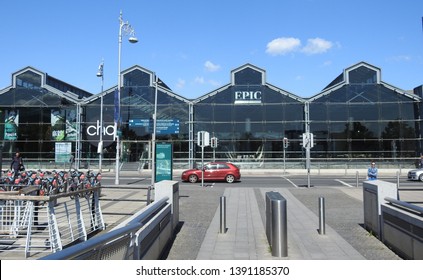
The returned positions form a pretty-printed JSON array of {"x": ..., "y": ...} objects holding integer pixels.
[
  {"x": 164, "y": 162},
  {"x": 117, "y": 106},
  {"x": 11, "y": 124},
  {"x": 63, "y": 125},
  {"x": 71, "y": 131},
  {"x": 58, "y": 124}
]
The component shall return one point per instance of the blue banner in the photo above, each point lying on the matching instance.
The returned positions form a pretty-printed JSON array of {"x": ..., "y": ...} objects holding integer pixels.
[{"x": 117, "y": 106}]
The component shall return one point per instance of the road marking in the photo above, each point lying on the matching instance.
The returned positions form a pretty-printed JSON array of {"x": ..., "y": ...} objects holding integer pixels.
[
  {"x": 343, "y": 183},
  {"x": 292, "y": 183}
]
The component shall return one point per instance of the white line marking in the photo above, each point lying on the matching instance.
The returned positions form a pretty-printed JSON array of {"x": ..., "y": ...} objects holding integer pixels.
[
  {"x": 292, "y": 183},
  {"x": 343, "y": 183}
]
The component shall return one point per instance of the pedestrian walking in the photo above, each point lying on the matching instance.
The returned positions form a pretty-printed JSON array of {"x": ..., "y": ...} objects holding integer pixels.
[{"x": 17, "y": 164}]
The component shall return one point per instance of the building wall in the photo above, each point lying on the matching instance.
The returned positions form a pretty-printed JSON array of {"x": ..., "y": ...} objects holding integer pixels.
[{"x": 357, "y": 118}]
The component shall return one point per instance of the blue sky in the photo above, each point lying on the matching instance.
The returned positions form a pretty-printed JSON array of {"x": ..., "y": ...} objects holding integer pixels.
[{"x": 193, "y": 45}]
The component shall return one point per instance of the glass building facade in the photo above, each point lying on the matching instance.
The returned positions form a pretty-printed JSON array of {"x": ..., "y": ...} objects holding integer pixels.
[
  {"x": 355, "y": 119},
  {"x": 359, "y": 116}
]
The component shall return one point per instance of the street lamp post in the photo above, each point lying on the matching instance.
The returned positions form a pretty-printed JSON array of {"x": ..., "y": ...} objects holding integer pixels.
[
  {"x": 127, "y": 29},
  {"x": 100, "y": 74},
  {"x": 153, "y": 140}
]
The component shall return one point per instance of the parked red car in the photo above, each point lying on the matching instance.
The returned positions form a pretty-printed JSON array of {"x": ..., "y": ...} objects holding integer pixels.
[{"x": 214, "y": 171}]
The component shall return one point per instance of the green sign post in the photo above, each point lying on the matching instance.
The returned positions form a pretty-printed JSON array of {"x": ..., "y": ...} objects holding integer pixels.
[{"x": 164, "y": 162}]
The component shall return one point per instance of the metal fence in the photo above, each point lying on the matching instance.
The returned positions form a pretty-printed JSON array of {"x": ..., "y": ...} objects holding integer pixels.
[
  {"x": 129, "y": 240},
  {"x": 37, "y": 225}
]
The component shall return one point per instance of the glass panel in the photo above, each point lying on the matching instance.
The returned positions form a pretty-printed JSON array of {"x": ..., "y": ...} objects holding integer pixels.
[
  {"x": 362, "y": 75},
  {"x": 248, "y": 76},
  {"x": 318, "y": 111},
  {"x": 136, "y": 78},
  {"x": 29, "y": 80},
  {"x": 248, "y": 113},
  {"x": 338, "y": 112}
]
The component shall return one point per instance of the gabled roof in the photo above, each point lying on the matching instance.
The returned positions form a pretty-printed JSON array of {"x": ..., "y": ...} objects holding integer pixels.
[
  {"x": 161, "y": 86},
  {"x": 344, "y": 79},
  {"x": 233, "y": 82},
  {"x": 46, "y": 83}
]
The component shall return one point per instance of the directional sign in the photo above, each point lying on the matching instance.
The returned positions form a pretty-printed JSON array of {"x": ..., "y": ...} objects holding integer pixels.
[
  {"x": 170, "y": 126},
  {"x": 140, "y": 122},
  {"x": 167, "y": 126}
]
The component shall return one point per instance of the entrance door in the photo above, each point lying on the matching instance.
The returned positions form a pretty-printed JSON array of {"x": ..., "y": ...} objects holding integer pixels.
[{"x": 135, "y": 151}]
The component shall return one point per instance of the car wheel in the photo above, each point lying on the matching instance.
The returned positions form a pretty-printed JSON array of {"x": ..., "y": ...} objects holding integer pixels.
[
  {"x": 192, "y": 178},
  {"x": 421, "y": 177},
  {"x": 230, "y": 178}
]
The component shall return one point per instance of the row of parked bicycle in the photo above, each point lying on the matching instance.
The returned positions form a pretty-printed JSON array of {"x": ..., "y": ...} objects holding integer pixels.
[{"x": 51, "y": 182}]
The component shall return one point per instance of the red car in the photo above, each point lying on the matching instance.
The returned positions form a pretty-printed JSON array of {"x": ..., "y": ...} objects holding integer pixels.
[{"x": 214, "y": 171}]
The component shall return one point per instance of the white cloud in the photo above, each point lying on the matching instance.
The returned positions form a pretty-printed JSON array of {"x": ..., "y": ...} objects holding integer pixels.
[
  {"x": 199, "y": 80},
  {"x": 211, "y": 67},
  {"x": 400, "y": 58},
  {"x": 214, "y": 83},
  {"x": 317, "y": 45},
  {"x": 181, "y": 83},
  {"x": 327, "y": 63},
  {"x": 284, "y": 45}
]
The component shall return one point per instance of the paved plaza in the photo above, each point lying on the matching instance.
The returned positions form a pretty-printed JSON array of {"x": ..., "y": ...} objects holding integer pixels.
[{"x": 198, "y": 235}]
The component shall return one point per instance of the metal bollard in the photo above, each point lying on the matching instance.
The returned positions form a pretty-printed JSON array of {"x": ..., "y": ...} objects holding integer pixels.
[
  {"x": 276, "y": 224},
  {"x": 149, "y": 195},
  {"x": 222, "y": 214},
  {"x": 322, "y": 229},
  {"x": 279, "y": 228}
]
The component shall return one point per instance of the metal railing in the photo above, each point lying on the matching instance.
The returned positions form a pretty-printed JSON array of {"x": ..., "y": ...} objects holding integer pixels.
[
  {"x": 36, "y": 225},
  {"x": 128, "y": 241},
  {"x": 405, "y": 205}
]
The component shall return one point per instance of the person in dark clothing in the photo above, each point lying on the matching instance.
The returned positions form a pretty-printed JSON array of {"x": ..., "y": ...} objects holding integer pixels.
[{"x": 17, "y": 163}]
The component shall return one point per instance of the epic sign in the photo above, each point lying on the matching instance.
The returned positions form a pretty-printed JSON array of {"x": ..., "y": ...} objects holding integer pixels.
[{"x": 248, "y": 97}]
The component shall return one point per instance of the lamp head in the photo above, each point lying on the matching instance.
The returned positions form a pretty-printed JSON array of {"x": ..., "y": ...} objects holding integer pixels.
[
  {"x": 133, "y": 40},
  {"x": 100, "y": 70}
]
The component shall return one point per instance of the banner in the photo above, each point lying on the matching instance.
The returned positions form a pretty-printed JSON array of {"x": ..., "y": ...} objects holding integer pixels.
[
  {"x": 117, "y": 106},
  {"x": 58, "y": 124},
  {"x": 11, "y": 124},
  {"x": 71, "y": 131},
  {"x": 63, "y": 124}
]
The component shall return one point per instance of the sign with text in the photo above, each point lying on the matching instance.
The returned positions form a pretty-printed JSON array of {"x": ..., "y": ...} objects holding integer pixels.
[
  {"x": 63, "y": 151},
  {"x": 162, "y": 126},
  {"x": 164, "y": 162},
  {"x": 248, "y": 97}
]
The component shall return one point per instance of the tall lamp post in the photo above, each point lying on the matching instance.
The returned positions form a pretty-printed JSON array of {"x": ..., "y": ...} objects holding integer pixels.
[
  {"x": 100, "y": 74},
  {"x": 153, "y": 136},
  {"x": 126, "y": 28}
]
